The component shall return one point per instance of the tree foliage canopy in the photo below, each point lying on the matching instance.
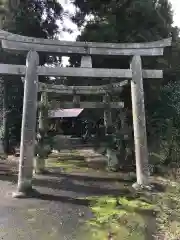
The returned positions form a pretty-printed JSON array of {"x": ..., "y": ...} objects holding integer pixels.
[
  {"x": 137, "y": 21},
  {"x": 35, "y": 18}
]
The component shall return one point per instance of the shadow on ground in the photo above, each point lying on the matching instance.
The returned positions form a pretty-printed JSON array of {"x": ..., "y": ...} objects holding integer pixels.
[
  {"x": 73, "y": 191},
  {"x": 70, "y": 190},
  {"x": 117, "y": 177},
  {"x": 62, "y": 199},
  {"x": 65, "y": 182}
]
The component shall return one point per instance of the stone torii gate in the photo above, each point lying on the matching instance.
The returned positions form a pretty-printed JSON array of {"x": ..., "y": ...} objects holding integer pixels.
[
  {"x": 32, "y": 70},
  {"x": 76, "y": 91}
]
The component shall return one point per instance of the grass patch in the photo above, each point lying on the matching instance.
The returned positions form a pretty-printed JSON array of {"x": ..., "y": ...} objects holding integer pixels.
[
  {"x": 67, "y": 166},
  {"x": 128, "y": 219},
  {"x": 119, "y": 218},
  {"x": 137, "y": 218},
  {"x": 67, "y": 162},
  {"x": 73, "y": 161}
]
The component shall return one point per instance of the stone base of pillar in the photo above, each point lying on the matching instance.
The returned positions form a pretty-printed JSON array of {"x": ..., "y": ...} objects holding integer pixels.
[
  {"x": 40, "y": 172},
  {"x": 141, "y": 187},
  {"x": 113, "y": 162},
  {"x": 25, "y": 190},
  {"x": 39, "y": 166}
]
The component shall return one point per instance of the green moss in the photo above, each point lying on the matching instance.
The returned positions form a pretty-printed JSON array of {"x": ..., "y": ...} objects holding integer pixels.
[
  {"x": 73, "y": 161},
  {"x": 67, "y": 165},
  {"x": 119, "y": 217}
]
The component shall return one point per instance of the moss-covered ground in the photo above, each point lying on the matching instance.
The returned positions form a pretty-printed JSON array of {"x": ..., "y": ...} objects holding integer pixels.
[
  {"x": 73, "y": 162},
  {"x": 129, "y": 215}
]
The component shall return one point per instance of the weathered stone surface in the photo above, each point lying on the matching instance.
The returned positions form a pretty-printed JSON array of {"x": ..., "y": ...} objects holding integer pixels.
[
  {"x": 62, "y": 89},
  {"x": 8, "y": 69},
  {"x": 66, "y": 105},
  {"x": 22, "y": 43},
  {"x": 28, "y": 125},
  {"x": 139, "y": 122}
]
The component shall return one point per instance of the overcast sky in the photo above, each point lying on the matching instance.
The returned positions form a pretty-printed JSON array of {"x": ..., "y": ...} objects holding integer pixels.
[{"x": 176, "y": 9}]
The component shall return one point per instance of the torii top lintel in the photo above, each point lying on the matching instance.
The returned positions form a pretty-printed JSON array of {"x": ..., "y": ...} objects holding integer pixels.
[{"x": 16, "y": 42}]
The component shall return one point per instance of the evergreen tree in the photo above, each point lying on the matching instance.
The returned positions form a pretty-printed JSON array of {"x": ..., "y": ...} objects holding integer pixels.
[
  {"x": 133, "y": 21},
  {"x": 35, "y": 19}
]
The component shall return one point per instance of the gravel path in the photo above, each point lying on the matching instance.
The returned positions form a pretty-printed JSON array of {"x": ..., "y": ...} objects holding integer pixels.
[{"x": 58, "y": 214}]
